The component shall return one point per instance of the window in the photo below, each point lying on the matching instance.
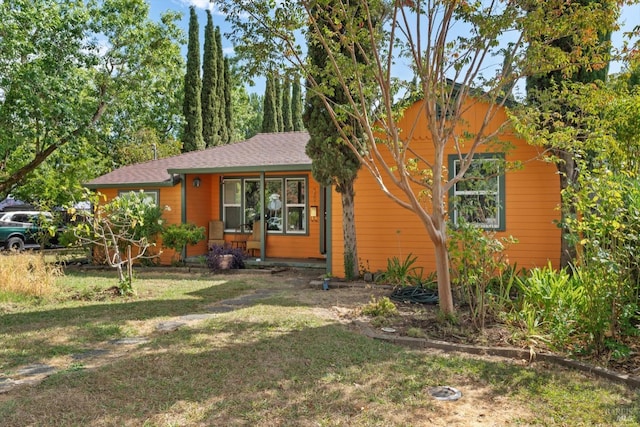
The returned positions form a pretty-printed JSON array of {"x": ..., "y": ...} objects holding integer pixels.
[
  {"x": 151, "y": 196},
  {"x": 232, "y": 204},
  {"x": 296, "y": 202},
  {"x": 479, "y": 197},
  {"x": 284, "y": 204}
]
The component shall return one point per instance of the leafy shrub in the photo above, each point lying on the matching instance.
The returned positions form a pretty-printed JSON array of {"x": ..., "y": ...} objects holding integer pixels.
[
  {"x": 216, "y": 255},
  {"x": 551, "y": 305},
  {"x": 477, "y": 259},
  {"x": 178, "y": 236},
  {"x": 606, "y": 232},
  {"x": 382, "y": 307}
]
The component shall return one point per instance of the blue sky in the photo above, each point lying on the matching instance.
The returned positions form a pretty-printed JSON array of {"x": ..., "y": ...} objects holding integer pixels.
[{"x": 630, "y": 19}]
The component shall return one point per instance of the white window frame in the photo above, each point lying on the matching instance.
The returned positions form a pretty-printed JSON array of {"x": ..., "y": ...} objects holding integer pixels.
[
  {"x": 496, "y": 222},
  {"x": 153, "y": 195},
  {"x": 298, "y": 205}
]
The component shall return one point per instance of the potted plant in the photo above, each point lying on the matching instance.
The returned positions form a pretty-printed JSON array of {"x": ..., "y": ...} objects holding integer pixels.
[{"x": 325, "y": 281}]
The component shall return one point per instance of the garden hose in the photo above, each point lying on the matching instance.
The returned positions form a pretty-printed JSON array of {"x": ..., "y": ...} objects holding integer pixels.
[{"x": 415, "y": 294}]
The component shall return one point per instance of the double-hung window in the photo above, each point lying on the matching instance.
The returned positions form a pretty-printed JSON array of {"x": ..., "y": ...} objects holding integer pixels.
[
  {"x": 479, "y": 197},
  {"x": 285, "y": 204},
  {"x": 149, "y": 196}
]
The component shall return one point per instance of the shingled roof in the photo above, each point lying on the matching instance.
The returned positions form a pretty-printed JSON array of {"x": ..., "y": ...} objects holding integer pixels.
[{"x": 265, "y": 152}]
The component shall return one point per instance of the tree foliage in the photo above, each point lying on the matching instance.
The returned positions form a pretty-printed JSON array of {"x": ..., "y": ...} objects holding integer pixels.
[
  {"x": 79, "y": 75},
  {"x": 192, "y": 139},
  {"x": 540, "y": 83},
  {"x": 287, "y": 119},
  {"x": 269, "y": 119},
  {"x": 209, "y": 85},
  {"x": 296, "y": 105}
]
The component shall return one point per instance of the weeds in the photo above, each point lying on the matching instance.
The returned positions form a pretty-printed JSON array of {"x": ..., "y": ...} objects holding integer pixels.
[
  {"x": 382, "y": 307},
  {"x": 402, "y": 273}
]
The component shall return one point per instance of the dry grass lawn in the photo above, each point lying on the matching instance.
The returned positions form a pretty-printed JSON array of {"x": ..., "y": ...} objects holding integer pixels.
[{"x": 289, "y": 358}]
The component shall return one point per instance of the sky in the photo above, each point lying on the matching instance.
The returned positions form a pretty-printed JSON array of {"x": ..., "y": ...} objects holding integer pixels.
[{"x": 630, "y": 18}]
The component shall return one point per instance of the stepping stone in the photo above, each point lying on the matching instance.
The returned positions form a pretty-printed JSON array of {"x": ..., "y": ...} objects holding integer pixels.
[
  {"x": 36, "y": 369},
  {"x": 203, "y": 316},
  {"x": 169, "y": 326},
  {"x": 221, "y": 309},
  {"x": 6, "y": 384},
  {"x": 130, "y": 341},
  {"x": 90, "y": 353}
]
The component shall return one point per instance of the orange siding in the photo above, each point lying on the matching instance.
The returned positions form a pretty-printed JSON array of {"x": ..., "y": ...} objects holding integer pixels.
[
  {"x": 203, "y": 204},
  {"x": 169, "y": 198},
  {"x": 385, "y": 230}
]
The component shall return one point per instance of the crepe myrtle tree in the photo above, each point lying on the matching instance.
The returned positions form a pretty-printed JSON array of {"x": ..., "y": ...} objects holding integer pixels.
[{"x": 452, "y": 55}]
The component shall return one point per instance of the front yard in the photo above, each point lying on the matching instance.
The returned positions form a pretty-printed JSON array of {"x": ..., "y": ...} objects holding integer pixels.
[{"x": 261, "y": 349}]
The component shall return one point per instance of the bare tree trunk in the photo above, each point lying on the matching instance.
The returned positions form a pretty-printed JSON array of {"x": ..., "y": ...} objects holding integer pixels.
[
  {"x": 349, "y": 230},
  {"x": 445, "y": 298}
]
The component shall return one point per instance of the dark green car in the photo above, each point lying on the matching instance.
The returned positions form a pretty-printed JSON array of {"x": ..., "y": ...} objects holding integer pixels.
[{"x": 21, "y": 230}]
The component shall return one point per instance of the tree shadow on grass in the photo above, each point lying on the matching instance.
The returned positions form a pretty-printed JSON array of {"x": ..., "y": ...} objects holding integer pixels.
[{"x": 238, "y": 372}]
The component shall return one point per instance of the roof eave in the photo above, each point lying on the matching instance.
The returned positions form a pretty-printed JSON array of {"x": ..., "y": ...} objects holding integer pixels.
[
  {"x": 169, "y": 183},
  {"x": 244, "y": 169}
]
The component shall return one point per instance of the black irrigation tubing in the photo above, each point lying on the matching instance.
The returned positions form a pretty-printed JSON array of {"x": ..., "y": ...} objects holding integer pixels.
[{"x": 415, "y": 294}]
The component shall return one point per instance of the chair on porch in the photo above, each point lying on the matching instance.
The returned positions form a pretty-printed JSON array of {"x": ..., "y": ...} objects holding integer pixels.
[
  {"x": 216, "y": 233},
  {"x": 254, "y": 242}
]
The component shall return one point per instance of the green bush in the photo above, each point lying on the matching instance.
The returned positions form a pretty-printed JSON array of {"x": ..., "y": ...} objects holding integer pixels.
[
  {"x": 478, "y": 259},
  {"x": 551, "y": 305},
  {"x": 178, "y": 236}
]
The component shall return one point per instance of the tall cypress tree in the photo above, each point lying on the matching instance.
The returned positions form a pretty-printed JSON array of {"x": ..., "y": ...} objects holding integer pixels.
[
  {"x": 209, "y": 82},
  {"x": 223, "y": 136},
  {"x": 192, "y": 108},
  {"x": 228, "y": 88},
  {"x": 269, "y": 123},
  {"x": 287, "y": 123},
  {"x": 277, "y": 94},
  {"x": 296, "y": 105},
  {"x": 333, "y": 161}
]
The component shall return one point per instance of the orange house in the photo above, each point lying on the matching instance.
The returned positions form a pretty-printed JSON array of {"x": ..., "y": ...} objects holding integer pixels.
[
  {"x": 523, "y": 202},
  {"x": 269, "y": 176}
]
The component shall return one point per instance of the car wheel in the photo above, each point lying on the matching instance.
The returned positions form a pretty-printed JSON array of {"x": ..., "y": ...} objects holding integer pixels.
[{"x": 15, "y": 244}]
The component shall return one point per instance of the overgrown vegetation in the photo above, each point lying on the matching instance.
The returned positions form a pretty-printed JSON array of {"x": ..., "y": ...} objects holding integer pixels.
[
  {"x": 478, "y": 257},
  {"x": 121, "y": 231},
  {"x": 402, "y": 272}
]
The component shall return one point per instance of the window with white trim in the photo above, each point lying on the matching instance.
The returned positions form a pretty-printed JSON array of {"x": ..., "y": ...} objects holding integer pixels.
[
  {"x": 152, "y": 196},
  {"x": 285, "y": 204},
  {"x": 479, "y": 197},
  {"x": 296, "y": 205},
  {"x": 232, "y": 204}
]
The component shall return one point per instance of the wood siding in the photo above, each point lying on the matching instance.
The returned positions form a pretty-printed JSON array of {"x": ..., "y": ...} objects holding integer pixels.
[
  {"x": 169, "y": 198},
  {"x": 386, "y": 230},
  {"x": 202, "y": 204}
]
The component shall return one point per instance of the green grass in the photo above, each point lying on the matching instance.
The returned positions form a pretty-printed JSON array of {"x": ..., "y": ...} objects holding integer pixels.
[{"x": 275, "y": 362}]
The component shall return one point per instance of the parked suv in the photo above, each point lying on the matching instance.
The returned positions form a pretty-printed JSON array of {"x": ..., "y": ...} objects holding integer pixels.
[{"x": 20, "y": 229}]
